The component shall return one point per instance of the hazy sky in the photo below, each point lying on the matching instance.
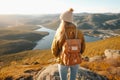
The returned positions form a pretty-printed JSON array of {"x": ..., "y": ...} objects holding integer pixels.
[{"x": 58, "y": 6}]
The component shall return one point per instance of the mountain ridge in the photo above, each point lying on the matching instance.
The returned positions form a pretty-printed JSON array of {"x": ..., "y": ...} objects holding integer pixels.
[{"x": 83, "y": 20}]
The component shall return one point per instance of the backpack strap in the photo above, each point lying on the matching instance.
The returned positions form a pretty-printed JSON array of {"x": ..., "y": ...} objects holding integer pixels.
[
  {"x": 76, "y": 36},
  {"x": 76, "y": 33}
]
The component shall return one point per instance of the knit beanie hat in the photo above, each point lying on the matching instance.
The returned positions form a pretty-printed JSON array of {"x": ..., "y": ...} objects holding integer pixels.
[{"x": 67, "y": 16}]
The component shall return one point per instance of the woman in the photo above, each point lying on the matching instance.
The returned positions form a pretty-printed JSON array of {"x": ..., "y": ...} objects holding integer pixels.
[{"x": 66, "y": 28}]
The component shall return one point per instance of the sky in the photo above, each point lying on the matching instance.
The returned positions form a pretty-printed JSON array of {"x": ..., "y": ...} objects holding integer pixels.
[{"x": 58, "y": 6}]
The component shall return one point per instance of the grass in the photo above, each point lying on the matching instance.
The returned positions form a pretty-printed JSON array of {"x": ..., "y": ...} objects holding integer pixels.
[
  {"x": 53, "y": 24},
  {"x": 16, "y": 70},
  {"x": 98, "y": 47},
  {"x": 41, "y": 56},
  {"x": 13, "y": 46},
  {"x": 108, "y": 67},
  {"x": 19, "y": 38},
  {"x": 20, "y": 62},
  {"x": 15, "y": 65},
  {"x": 25, "y": 27}
]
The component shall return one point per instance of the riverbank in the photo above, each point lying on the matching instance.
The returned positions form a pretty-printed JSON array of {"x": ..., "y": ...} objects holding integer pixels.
[
  {"x": 14, "y": 40},
  {"x": 45, "y": 43},
  {"x": 102, "y": 34}
]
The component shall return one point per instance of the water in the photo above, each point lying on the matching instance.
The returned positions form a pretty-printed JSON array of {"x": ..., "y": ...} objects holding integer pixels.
[
  {"x": 45, "y": 42},
  {"x": 91, "y": 39}
]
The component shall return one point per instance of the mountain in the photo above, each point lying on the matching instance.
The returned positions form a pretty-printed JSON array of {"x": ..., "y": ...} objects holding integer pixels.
[
  {"x": 12, "y": 20},
  {"x": 28, "y": 63},
  {"x": 24, "y": 64},
  {"x": 91, "y": 21},
  {"x": 16, "y": 20},
  {"x": 83, "y": 20},
  {"x": 19, "y": 38},
  {"x": 98, "y": 21}
]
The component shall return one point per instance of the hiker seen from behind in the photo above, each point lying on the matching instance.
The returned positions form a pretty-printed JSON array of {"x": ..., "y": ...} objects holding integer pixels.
[{"x": 67, "y": 46}]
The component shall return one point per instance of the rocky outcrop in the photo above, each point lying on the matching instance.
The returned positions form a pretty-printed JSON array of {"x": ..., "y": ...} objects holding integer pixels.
[
  {"x": 112, "y": 53},
  {"x": 97, "y": 58},
  {"x": 51, "y": 73}
]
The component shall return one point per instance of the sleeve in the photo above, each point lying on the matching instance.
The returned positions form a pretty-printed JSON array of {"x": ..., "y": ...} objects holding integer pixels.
[
  {"x": 83, "y": 45},
  {"x": 55, "y": 48},
  {"x": 81, "y": 37}
]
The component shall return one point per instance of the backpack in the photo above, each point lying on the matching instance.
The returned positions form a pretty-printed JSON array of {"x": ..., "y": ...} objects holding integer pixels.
[{"x": 70, "y": 54}]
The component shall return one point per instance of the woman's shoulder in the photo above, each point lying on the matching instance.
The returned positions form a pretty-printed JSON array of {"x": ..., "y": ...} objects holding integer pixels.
[{"x": 79, "y": 32}]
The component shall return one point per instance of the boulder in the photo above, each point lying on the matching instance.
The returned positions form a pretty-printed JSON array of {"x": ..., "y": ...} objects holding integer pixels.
[
  {"x": 112, "y": 53},
  {"x": 51, "y": 73},
  {"x": 97, "y": 58}
]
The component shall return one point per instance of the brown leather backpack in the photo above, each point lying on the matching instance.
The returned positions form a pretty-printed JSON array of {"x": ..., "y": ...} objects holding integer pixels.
[{"x": 70, "y": 54}]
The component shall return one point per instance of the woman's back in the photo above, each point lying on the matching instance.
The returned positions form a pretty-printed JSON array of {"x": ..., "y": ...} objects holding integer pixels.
[{"x": 66, "y": 30}]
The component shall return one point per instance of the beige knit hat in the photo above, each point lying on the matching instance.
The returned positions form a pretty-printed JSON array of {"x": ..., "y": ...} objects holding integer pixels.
[{"x": 67, "y": 16}]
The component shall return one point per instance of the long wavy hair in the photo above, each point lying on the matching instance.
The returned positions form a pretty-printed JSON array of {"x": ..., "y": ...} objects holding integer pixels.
[{"x": 60, "y": 33}]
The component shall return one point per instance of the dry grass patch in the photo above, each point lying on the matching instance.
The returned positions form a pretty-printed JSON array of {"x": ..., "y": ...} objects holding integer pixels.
[
  {"x": 108, "y": 67},
  {"x": 98, "y": 47},
  {"x": 31, "y": 61}
]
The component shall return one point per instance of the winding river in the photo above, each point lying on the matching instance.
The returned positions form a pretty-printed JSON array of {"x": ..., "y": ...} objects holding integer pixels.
[{"x": 45, "y": 42}]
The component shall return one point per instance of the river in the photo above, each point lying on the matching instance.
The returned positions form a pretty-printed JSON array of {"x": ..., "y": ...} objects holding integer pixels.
[{"x": 45, "y": 42}]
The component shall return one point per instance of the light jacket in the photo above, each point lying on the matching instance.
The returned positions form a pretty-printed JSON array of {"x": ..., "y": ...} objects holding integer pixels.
[{"x": 56, "y": 47}]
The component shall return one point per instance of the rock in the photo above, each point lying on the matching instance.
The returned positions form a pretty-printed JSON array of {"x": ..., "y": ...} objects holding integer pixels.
[
  {"x": 112, "y": 53},
  {"x": 25, "y": 78},
  {"x": 26, "y": 64},
  {"x": 86, "y": 58},
  {"x": 114, "y": 70},
  {"x": 9, "y": 78},
  {"x": 51, "y": 73},
  {"x": 48, "y": 73},
  {"x": 35, "y": 63},
  {"x": 96, "y": 58},
  {"x": 105, "y": 73},
  {"x": 31, "y": 71}
]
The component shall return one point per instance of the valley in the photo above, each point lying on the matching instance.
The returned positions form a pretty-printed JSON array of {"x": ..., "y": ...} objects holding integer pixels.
[{"x": 18, "y": 37}]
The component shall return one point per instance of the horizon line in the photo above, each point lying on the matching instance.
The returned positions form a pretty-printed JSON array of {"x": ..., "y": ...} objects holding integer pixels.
[{"x": 57, "y": 13}]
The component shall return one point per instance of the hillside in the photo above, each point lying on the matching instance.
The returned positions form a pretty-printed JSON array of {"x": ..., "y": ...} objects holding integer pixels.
[
  {"x": 13, "y": 46},
  {"x": 52, "y": 24},
  {"x": 98, "y": 21},
  {"x": 33, "y": 60},
  {"x": 92, "y": 49},
  {"x": 19, "y": 38},
  {"x": 98, "y": 47},
  {"x": 91, "y": 21},
  {"x": 83, "y": 20},
  {"x": 18, "y": 64},
  {"x": 16, "y": 20}
]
